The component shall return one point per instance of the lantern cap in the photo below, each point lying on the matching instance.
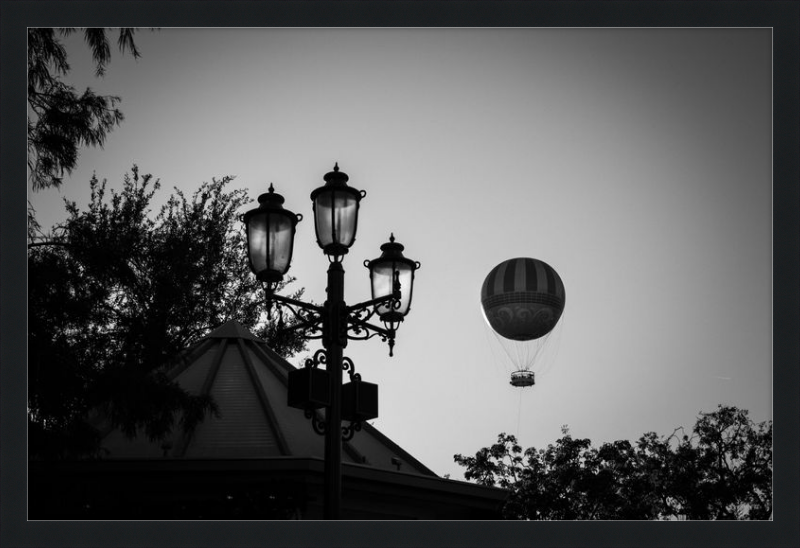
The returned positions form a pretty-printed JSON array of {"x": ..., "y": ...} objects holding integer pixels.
[
  {"x": 271, "y": 198},
  {"x": 336, "y": 177},
  {"x": 393, "y": 248},
  {"x": 272, "y": 201},
  {"x": 337, "y": 180},
  {"x": 393, "y": 251}
]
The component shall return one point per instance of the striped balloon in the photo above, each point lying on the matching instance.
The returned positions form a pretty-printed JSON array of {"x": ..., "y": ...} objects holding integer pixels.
[{"x": 523, "y": 298}]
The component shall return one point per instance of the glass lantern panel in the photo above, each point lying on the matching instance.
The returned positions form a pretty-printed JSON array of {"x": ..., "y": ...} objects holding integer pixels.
[
  {"x": 280, "y": 243},
  {"x": 383, "y": 284},
  {"x": 270, "y": 241},
  {"x": 257, "y": 240},
  {"x": 336, "y": 218}
]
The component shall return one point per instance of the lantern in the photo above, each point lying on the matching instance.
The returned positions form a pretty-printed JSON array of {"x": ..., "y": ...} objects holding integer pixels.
[
  {"x": 270, "y": 237},
  {"x": 383, "y": 271},
  {"x": 336, "y": 214}
]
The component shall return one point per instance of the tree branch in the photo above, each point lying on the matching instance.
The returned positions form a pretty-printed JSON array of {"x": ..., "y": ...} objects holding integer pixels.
[{"x": 49, "y": 242}]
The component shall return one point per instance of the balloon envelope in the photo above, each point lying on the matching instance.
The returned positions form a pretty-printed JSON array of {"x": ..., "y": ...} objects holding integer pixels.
[{"x": 523, "y": 299}]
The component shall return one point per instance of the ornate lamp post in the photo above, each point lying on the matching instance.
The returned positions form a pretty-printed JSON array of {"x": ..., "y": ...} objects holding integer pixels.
[{"x": 270, "y": 239}]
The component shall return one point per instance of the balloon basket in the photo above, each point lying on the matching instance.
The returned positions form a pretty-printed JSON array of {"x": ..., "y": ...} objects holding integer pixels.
[{"x": 522, "y": 378}]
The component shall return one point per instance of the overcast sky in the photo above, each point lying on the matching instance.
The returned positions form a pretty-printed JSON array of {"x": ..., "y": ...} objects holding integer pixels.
[{"x": 637, "y": 163}]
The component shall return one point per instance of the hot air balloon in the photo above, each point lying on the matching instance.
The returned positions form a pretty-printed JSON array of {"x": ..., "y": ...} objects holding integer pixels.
[{"x": 522, "y": 300}]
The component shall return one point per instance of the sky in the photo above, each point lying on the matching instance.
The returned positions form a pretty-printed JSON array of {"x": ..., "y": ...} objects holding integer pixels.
[{"x": 635, "y": 162}]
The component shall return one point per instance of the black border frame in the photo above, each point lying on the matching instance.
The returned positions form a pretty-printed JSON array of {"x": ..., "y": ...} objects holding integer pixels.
[{"x": 782, "y": 16}]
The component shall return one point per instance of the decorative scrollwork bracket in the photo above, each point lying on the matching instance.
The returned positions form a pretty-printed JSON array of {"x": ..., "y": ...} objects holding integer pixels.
[
  {"x": 355, "y": 426},
  {"x": 319, "y": 425},
  {"x": 359, "y": 327},
  {"x": 320, "y": 357},
  {"x": 350, "y": 430},
  {"x": 349, "y": 367}
]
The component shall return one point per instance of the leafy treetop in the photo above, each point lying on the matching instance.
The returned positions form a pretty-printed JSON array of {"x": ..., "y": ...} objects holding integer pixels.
[
  {"x": 723, "y": 470},
  {"x": 118, "y": 293}
]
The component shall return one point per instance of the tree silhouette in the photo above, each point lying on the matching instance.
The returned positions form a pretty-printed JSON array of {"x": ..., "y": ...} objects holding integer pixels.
[
  {"x": 118, "y": 293},
  {"x": 722, "y": 471},
  {"x": 60, "y": 120}
]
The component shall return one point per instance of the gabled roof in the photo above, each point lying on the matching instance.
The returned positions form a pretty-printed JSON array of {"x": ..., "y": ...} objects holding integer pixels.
[{"x": 248, "y": 382}]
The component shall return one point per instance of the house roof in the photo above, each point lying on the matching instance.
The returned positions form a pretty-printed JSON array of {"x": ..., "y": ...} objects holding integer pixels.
[{"x": 248, "y": 382}]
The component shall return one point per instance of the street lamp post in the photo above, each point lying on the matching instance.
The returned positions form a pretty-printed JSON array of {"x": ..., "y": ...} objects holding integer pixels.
[{"x": 270, "y": 242}]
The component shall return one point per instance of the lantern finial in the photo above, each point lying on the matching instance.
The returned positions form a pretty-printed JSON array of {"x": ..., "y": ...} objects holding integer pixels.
[
  {"x": 391, "y": 237},
  {"x": 336, "y": 166}
]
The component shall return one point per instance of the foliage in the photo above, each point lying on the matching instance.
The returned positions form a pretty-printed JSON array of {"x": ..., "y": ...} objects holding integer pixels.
[
  {"x": 60, "y": 119},
  {"x": 118, "y": 293},
  {"x": 722, "y": 471}
]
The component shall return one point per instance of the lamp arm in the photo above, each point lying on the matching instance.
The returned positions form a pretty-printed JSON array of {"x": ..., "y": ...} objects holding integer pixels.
[
  {"x": 360, "y": 307},
  {"x": 395, "y": 296},
  {"x": 312, "y": 324},
  {"x": 358, "y": 325},
  {"x": 312, "y": 319},
  {"x": 369, "y": 330},
  {"x": 364, "y": 336},
  {"x": 293, "y": 302}
]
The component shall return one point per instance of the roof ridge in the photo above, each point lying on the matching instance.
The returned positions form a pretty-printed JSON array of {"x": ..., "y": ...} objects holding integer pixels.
[{"x": 232, "y": 329}]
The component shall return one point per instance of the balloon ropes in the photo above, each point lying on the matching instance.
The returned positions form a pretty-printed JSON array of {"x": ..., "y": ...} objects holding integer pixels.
[{"x": 522, "y": 300}]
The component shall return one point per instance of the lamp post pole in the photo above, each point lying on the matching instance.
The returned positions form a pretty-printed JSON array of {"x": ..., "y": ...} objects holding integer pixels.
[
  {"x": 270, "y": 241},
  {"x": 334, "y": 344}
]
